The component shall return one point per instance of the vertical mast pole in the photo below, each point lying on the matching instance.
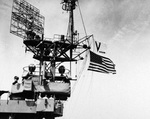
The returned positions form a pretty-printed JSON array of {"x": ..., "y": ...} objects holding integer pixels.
[
  {"x": 71, "y": 25},
  {"x": 72, "y": 7},
  {"x": 53, "y": 62},
  {"x": 41, "y": 72}
]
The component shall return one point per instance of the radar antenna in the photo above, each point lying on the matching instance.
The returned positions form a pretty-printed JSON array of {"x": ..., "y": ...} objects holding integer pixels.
[{"x": 25, "y": 17}]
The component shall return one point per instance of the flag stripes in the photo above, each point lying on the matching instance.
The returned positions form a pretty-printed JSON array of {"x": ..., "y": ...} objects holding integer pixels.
[{"x": 101, "y": 64}]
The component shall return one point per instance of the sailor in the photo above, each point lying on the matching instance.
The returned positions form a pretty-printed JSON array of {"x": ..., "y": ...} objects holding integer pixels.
[
  {"x": 28, "y": 75},
  {"x": 61, "y": 70},
  {"x": 32, "y": 68},
  {"x": 16, "y": 78},
  {"x": 49, "y": 75}
]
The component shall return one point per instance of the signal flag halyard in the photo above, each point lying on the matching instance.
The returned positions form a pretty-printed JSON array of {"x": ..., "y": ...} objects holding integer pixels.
[{"x": 101, "y": 64}]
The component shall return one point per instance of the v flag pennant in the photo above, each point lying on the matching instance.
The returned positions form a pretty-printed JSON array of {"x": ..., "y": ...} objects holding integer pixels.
[
  {"x": 98, "y": 47},
  {"x": 101, "y": 64}
]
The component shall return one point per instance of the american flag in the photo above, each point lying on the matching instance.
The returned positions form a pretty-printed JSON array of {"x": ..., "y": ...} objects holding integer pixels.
[{"x": 101, "y": 64}]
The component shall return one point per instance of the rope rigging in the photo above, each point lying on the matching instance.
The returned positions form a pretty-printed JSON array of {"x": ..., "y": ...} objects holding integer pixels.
[{"x": 82, "y": 18}]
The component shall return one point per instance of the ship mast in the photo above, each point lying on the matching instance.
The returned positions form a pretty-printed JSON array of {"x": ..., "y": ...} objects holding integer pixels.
[
  {"x": 43, "y": 83},
  {"x": 70, "y": 5}
]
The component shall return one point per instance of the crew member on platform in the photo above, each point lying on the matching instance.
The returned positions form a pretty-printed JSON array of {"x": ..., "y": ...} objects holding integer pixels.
[
  {"x": 61, "y": 70},
  {"x": 16, "y": 78}
]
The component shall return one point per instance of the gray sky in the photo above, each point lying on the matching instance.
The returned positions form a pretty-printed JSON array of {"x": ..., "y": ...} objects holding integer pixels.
[{"x": 124, "y": 25}]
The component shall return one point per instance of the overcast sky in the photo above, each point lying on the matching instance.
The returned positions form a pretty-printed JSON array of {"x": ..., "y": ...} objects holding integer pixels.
[{"x": 124, "y": 25}]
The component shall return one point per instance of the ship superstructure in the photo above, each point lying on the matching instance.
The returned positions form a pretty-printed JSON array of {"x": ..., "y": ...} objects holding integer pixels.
[{"x": 47, "y": 85}]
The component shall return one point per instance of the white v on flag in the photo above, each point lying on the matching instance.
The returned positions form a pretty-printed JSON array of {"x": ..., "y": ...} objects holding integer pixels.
[
  {"x": 101, "y": 64},
  {"x": 98, "y": 47}
]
